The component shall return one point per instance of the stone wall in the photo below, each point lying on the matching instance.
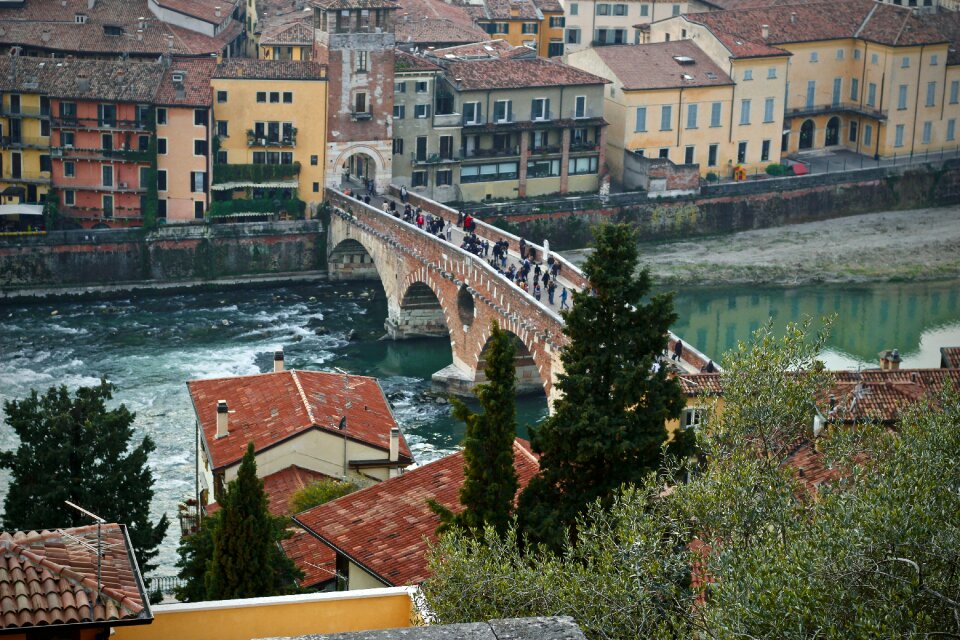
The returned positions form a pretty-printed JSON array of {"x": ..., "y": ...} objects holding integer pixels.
[
  {"x": 658, "y": 175},
  {"x": 172, "y": 253}
]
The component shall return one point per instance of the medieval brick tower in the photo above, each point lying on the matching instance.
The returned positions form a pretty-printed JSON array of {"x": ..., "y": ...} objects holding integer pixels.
[{"x": 360, "y": 40}]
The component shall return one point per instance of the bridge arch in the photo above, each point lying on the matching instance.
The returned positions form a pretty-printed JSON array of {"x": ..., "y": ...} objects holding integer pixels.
[
  {"x": 533, "y": 368},
  {"x": 357, "y": 163},
  {"x": 422, "y": 313},
  {"x": 349, "y": 259}
]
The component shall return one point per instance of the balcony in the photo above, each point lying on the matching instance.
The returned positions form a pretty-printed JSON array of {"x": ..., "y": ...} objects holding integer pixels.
[
  {"x": 116, "y": 187},
  {"x": 27, "y": 177},
  {"x": 27, "y": 112},
  {"x": 479, "y": 154},
  {"x": 361, "y": 115},
  {"x": 835, "y": 107},
  {"x": 583, "y": 145},
  {"x": 124, "y": 155},
  {"x": 220, "y": 208},
  {"x": 255, "y": 173},
  {"x": 589, "y": 114},
  {"x": 102, "y": 124},
  {"x": 447, "y": 119},
  {"x": 10, "y": 142},
  {"x": 545, "y": 149},
  {"x": 433, "y": 158},
  {"x": 267, "y": 140}
]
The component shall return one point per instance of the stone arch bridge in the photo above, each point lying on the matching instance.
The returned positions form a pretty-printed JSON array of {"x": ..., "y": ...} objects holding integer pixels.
[{"x": 435, "y": 288}]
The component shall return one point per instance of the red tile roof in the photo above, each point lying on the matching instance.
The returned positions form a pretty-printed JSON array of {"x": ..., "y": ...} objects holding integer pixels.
[
  {"x": 355, "y": 4},
  {"x": 281, "y": 486},
  {"x": 123, "y": 81},
  {"x": 438, "y": 32},
  {"x": 205, "y": 10},
  {"x": 656, "y": 66},
  {"x": 516, "y": 74},
  {"x": 252, "y": 69},
  {"x": 317, "y": 561},
  {"x": 195, "y": 88},
  {"x": 950, "y": 357},
  {"x": 49, "y": 578},
  {"x": 408, "y": 63},
  {"x": 487, "y": 49},
  {"x": 299, "y": 33},
  {"x": 741, "y": 30},
  {"x": 385, "y": 528},
  {"x": 269, "y": 408}
]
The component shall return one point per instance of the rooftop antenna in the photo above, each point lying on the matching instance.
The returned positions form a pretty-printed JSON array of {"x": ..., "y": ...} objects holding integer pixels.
[{"x": 100, "y": 521}]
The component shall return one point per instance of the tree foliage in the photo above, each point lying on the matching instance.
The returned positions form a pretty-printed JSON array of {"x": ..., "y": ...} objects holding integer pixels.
[
  {"x": 608, "y": 426},
  {"x": 196, "y": 552},
  {"x": 247, "y": 561},
  {"x": 74, "y": 448},
  {"x": 490, "y": 479},
  {"x": 320, "y": 492}
]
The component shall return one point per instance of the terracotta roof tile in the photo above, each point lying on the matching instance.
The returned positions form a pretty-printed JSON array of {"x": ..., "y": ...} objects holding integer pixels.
[
  {"x": 123, "y": 81},
  {"x": 251, "y": 69},
  {"x": 299, "y": 32},
  {"x": 50, "y": 578},
  {"x": 516, "y": 74},
  {"x": 272, "y": 407},
  {"x": 407, "y": 63},
  {"x": 656, "y": 66},
  {"x": 205, "y": 10},
  {"x": 950, "y": 357},
  {"x": 196, "y": 89},
  {"x": 488, "y": 49},
  {"x": 317, "y": 561},
  {"x": 281, "y": 486},
  {"x": 386, "y": 527},
  {"x": 438, "y": 31},
  {"x": 354, "y": 4}
]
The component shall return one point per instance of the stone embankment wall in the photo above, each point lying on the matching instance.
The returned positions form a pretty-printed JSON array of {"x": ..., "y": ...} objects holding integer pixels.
[
  {"x": 754, "y": 204},
  {"x": 73, "y": 258}
]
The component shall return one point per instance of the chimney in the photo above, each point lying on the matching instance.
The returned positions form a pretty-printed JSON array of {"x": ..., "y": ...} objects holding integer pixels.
[
  {"x": 91, "y": 4},
  {"x": 765, "y": 31},
  {"x": 394, "y": 444},
  {"x": 222, "y": 419},
  {"x": 216, "y": 11},
  {"x": 278, "y": 361},
  {"x": 890, "y": 360},
  {"x": 793, "y": 17}
]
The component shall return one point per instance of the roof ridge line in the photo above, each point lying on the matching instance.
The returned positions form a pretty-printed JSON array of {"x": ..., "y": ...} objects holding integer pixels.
[
  {"x": 303, "y": 396},
  {"x": 863, "y": 25},
  {"x": 517, "y": 445}
]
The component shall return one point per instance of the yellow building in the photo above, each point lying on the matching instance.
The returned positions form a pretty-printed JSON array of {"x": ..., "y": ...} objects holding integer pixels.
[
  {"x": 670, "y": 100},
  {"x": 882, "y": 81},
  {"x": 269, "y": 137},
  {"x": 25, "y": 143},
  {"x": 537, "y": 24}
]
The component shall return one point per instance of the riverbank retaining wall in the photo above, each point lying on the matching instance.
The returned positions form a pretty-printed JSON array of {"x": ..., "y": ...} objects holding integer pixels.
[
  {"x": 112, "y": 256},
  {"x": 751, "y": 205}
]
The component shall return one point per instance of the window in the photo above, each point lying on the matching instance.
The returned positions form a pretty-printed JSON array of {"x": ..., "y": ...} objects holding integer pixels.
[
  {"x": 814, "y": 56},
  {"x": 274, "y": 97},
  {"x": 581, "y": 166},
  {"x": 691, "y": 116},
  {"x": 712, "y": 155},
  {"x": 902, "y": 97},
  {"x": 951, "y": 129},
  {"x": 603, "y": 9},
  {"x": 221, "y": 157},
  {"x": 954, "y": 91},
  {"x": 771, "y": 73},
  {"x": 398, "y": 146},
  {"x": 444, "y": 177},
  {"x": 161, "y": 115},
  {"x": 666, "y": 118},
  {"x": 856, "y": 54},
  {"x": 573, "y": 36},
  {"x": 106, "y": 142},
  {"x": 161, "y": 146},
  {"x": 745, "y": 111},
  {"x": 934, "y": 60},
  {"x": 421, "y": 111},
  {"x": 665, "y": 153},
  {"x": 898, "y": 136},
  {"x": 741, "y": 153},
  {"x": 692, "y": 418},
  {"x": 748, "y": 74},
  {"x": 874, "y": 58},
  {"x": 419, "y": 179},
  {"x": 107, "y": 115},
  {"x": 223, "y": 129},
  {"x": 107, "y": 206},
  {"x": 688, "y": 155},
  {"x": 675, "y": 10},
  {"x": 200, "y": 147},
  {"x": 446, "y": 147},
  {"x": 574, "y": 9},
  {"x": 69, "y": 170},
  {"x": 557, "y": 22},
  {"x": 502, "y": 111},
  {"x": 198, "y": 210},
  {"x": 644, "y": 10},
  {"x": 837, "y": 88},
  {"x": 811, "y": 92},
  {"x": 540, "y": 109},
  {"x": 905, "y": 62},
  {"x": 45, "y": 128},
  {"x": 580, "y": 107},
  {"x": 420, "y": 86},
  {"x": 314, "y": 161},
  {"x": 144, "y": 175},
  {"x": 69, "y": 198},
  {"x": 927, "y": 131},
  {"x": 399, "y": 111},
  {"x": 528, "y": 27},
  {"x": 471, "y": 113},
  {"x": 867, "y": 135},
  {"x": 66, "y": 139},
  {"x": 288, "y": 97},
  {"x": 421, "y": 153},
  {"x": 641, "y": 119},
  {"x": 543, "y": 168},
  {"x": 221, "y": 96},
  {"x": 765, "y": 151},
  {"x": 855, "y": 89},
  {"x": 872, "y": 94},
  {"x": 198, "y": 181},
  {"x": 400, "y": 87},
  {"x": 715, "y": 111},
  {"x": 931, "y": 94},
  {"x": 162, "y": 209},
  {"x": 839, "y": 54},
  {"x": 161, "y": 180},
  {"x": 619, "y": 9},
  {"x": 14, "y": 103},
  {"x": 768, "y": 105},
  {"x": 200, "y": 117},
  {"x": 360, "y": 102},
  {"x": 490, "y": 172},
  {"x": 106, "y": 174},
  {"x": 261, "y": 96}
]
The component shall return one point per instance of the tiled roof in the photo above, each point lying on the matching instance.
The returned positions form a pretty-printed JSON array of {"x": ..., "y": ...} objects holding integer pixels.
[
  {"x": 438, "y": 31},
  {"x": 205, "y": 10},
  {"x": 408, "y": 63},
  {"x": 516, "y": 74},
  {"x": 49, "y": 578},
  {"x": 51, "y": 26},
  {"x": 656, "y": 66},
  {"x": 317, "y": 561},
  {"x": 195, "y": 89},
  {"x": 510, "y": 10},
  {"x": 355, "y": 4},
  {"x": 251, "y": 69},
  {"x": 695, "y": 384},
  {"x": 385, "y": 528},
  {"x": 299, "y": 32},
  {"x": 125, "y": 81},
  {"x": 488, "y": 49},
  {"x": 281, "y": 486},
  {"x": 272, "y": 407},
  {"x": 741, "y": 30},
  {"x": 950, "y": 357},
  {"x": 947, "y": 23}
]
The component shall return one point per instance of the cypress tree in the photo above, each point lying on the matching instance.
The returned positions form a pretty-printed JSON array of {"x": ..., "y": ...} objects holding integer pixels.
[
  {"x": 73, "y": 448},
  {"x": 608, "y": 426},
  {"x": 490, "y": 479},
  {"x": 247, "y": 562}
]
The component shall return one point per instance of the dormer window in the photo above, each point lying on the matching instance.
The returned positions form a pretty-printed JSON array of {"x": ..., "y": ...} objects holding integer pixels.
[
  {"x": 177, "y": 77},
  {"x": 80, "y": 18},
  {"x": 112, "y": 30}
]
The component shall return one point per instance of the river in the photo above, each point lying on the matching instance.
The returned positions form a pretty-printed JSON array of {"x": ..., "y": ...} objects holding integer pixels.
[{"x": 149, "y": 346}]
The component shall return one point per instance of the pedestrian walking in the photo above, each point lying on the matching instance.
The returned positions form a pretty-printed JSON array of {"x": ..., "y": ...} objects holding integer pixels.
[
  {"x": 678, "y": 350},
  {"x": 563, "y": 299},
  {"x": 386, "y": 206},
  {"x": 537, "y": 291},
  {"x": 551, "y": 289},
  {"x": 403, "y": 194},
  {"x": 523, "y": 248}
]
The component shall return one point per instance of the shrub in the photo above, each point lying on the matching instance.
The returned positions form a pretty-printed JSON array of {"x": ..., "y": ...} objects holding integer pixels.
[
  {"x": 712, "y": 177},
  {"x": 777, "y": 169}
]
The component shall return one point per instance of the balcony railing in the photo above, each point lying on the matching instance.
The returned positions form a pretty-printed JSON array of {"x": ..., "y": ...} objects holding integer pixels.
[
  {"x": 254, "y": 173},
  {"x": 433, "y": 158},
  {"x": 22, "y": 142},
  {"x": 545, "y": 149},
  {"x": 73, "y": 122},
  {"x": 27, "y": 177},
  {"x": 511, "y": 120},
  {"x": 361, "y": 115},
  {"x": 447, "y": 119},
  {"x": 588, "y": 114},
  {"x": 116, "y": 187},
  {"x": 267, "y": 140},
  {"x": 29, "y": 112},
  {"x": 505, "y": 152},
  {"x": 583, "y": 146},
  {"x": 836, "y": 107},
  {"x": 126, "y": 155}
]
